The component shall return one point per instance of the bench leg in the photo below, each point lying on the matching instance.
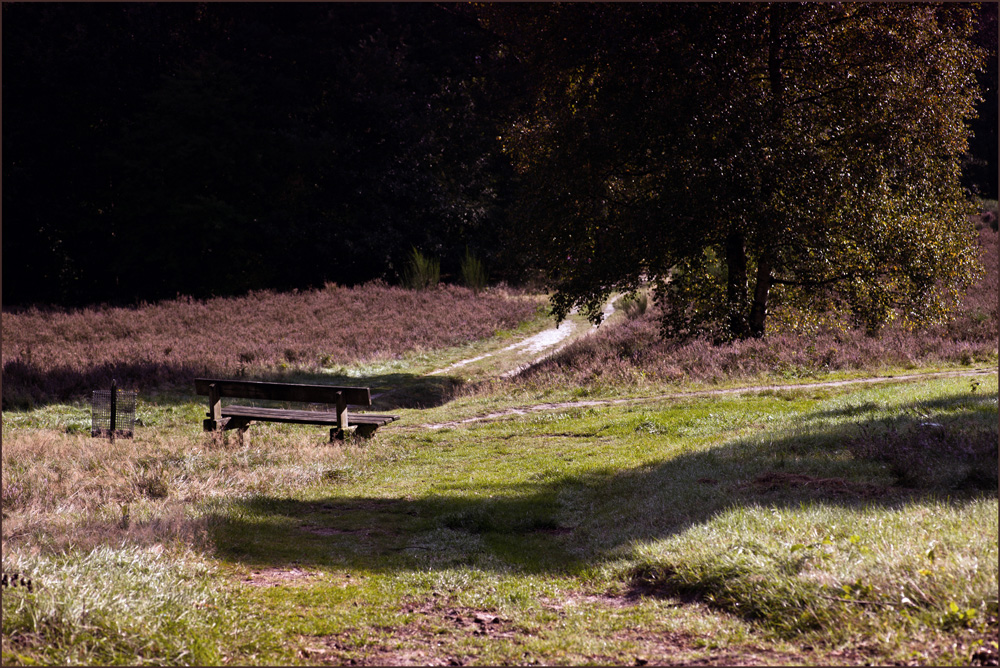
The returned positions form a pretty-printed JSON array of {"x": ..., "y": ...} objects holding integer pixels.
[
  {"x": 217, "y": 428},
  {"x": 215, "y": 425},
  {"x": 358, "y": 430},
  {"x": 241, "y": 425}
]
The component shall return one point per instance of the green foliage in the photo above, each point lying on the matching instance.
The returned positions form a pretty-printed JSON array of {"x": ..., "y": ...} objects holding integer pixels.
[
  {"x": 421, "y": 272},
  {"x": 473, "y": 272},
  {"x": 777, "y": 156}
]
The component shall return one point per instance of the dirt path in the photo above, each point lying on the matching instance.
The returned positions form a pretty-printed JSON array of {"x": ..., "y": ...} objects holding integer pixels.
[
  {"x": 524, "y": 354},
  {"x": 536, "y": 408}
]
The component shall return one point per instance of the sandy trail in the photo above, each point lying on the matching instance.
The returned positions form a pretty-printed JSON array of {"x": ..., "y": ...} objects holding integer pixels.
[
  {"x": 546, "y": 343},
  {"x": 536, "y": 408}
]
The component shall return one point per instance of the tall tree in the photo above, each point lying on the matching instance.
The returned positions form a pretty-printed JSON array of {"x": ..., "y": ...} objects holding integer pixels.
[{"x": 739, "y": 154}]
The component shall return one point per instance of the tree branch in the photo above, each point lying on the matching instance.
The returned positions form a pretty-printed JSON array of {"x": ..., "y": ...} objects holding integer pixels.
[{"x": 813, "y": 283}]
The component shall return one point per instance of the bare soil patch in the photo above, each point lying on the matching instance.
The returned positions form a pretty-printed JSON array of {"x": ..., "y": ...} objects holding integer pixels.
[
  {"x": 414, "y": 643},
  {"x": 274, "y": 577}
]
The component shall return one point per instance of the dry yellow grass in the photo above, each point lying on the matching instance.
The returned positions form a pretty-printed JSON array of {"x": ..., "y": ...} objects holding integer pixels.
[{"x": 65, "y": 490}]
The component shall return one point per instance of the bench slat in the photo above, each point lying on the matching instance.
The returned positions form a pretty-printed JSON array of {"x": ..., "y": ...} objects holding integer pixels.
[
  {"x": 321, "y": 394},
  {"x": 303, "y": 417}
]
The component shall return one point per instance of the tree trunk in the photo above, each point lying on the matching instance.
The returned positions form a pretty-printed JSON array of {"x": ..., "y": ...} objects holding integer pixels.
[
  {"x": 758, "y": 312},
  {"x": 737, "y": 292},
  {"x": 765, "y": 279}
]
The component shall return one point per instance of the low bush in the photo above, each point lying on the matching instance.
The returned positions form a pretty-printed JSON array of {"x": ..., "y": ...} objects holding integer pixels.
[
  {"x": 634, "y": 350},
  {"x": 60, "y": 354}
]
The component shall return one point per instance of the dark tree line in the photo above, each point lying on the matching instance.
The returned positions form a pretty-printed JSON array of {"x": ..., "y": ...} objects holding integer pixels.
[
  {"x": 202, "y": 149},
  {"x": 214, "y": 148}
]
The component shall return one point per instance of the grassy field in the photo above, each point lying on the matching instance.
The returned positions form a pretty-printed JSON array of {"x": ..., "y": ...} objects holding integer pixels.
[
  {"x": 597, "y": 509},
  {"x": 786, "y": 526}
]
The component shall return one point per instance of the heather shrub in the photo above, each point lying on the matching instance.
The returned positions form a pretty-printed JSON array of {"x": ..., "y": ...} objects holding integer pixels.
[
  {"x": 421, "y": 272},
  {"x": 635, "y": 351},
  {"x": 58, "y": 354}
]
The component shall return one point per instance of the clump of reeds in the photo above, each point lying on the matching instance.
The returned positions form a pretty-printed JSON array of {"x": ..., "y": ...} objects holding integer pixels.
[{"x": 421, "y": 272}]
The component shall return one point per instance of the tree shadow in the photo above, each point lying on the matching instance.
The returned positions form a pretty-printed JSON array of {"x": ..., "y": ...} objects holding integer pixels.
[
  {"x": 961, "y": 402},
  {"x": 389, "y": 391},
  {"x": 27, "y": 386},
  {"x": 536, "y": 525}
]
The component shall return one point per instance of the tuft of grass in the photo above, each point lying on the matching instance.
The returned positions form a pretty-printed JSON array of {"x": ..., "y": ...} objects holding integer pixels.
[
  {"x": 835, "y": 571},
  {"x": 114, "y": 605},
  {"x": 421, "y": 272},
  {"x": 473, "y": 272},
  {"x": 635, "y": 305},
  {"x": 929, "y": 454}
]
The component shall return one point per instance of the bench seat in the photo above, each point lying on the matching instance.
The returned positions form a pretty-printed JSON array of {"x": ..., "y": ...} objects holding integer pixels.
[{"x": 303, "y": 417}]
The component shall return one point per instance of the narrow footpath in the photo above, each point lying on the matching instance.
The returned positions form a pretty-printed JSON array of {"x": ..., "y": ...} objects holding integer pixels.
[
  {"x": 584, "y": 403},
  {"x": 524, "y": 354}
]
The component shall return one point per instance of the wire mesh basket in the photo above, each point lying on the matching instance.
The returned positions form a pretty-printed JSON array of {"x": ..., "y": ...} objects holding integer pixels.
[{"x": 113, "y": 413}]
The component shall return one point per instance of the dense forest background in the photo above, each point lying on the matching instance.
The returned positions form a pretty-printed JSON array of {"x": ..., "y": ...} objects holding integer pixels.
[{"x": 214, "y": 148}]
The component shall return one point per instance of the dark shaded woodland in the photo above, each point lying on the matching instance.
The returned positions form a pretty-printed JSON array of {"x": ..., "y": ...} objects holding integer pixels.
[{"x": 203, "y": 149}]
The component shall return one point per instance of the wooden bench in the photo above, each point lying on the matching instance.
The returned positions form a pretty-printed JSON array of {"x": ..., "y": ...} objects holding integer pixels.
[{"x": 221, "y": 418}]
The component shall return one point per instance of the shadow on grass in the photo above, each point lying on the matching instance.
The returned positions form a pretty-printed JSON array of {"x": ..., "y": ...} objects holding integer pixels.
[
  {"x": 962, "y": 402},
  {"x": 550, "y": 522},
  {"x": 26, "y": 386}
]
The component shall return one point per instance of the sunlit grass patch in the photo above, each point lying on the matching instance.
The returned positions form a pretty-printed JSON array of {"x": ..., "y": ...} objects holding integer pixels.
[
  {"x": 839, "y": 569},
  {"x": 674, "y": 527},
  {"x": 113, "y": 605}
]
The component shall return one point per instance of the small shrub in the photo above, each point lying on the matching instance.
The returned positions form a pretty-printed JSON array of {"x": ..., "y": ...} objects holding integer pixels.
[
  {"x": 153, "y": 486},
  {"x": 635, "y": 305},
  {"x": 421, "y": 272},
  {"x": 988, "y": 214},
  {"x": 473, "y": 272}
]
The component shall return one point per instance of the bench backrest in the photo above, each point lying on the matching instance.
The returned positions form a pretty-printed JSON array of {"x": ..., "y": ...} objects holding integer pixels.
[{"x": 319, "y": 394}]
